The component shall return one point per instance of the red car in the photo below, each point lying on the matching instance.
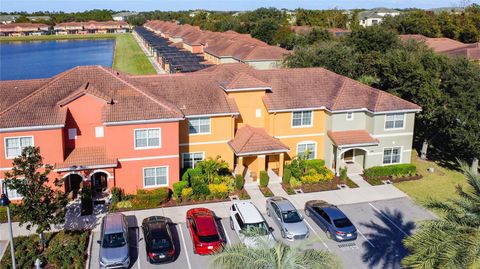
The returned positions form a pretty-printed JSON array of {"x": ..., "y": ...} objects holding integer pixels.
[{"x": 203, "y": 229}]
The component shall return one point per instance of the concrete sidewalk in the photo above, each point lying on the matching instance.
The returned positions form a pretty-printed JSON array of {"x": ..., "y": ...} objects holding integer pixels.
[{"x": 177, "y": 213}]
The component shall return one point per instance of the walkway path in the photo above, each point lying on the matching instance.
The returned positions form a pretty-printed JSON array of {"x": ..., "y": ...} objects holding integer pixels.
[
  {"x": 358, "y": 179},
  {"x": 150, "y": 57}
]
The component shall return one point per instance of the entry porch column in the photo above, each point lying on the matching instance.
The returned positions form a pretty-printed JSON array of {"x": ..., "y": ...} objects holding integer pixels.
[
  {"x": 261, "y": 164},
  {"x": 282, "y": 161},
  {"x": 337, "y": 161}
]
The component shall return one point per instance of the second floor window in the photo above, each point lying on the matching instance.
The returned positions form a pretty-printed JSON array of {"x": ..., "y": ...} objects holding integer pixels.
[
  {"x": 394, "y": 121},
  {"x": 302, "y": 119},
  {"x": 199, "y": 125},
  {"x": 15, "y": 145},
  {"x": 147, "y": 138}
]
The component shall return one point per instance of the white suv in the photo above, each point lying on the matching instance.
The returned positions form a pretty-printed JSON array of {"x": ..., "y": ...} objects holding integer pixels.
[{"x": 246, "y": 219}]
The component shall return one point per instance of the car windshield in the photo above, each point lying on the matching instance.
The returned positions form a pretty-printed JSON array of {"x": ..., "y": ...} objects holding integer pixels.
[
  {"x": 342, "y": 223},
  {"x": 291, "y": 216},
  {"x": 114, "y": 240},
  {"x": 253, "y": 229},
  {"x": 208, "y": 238},
  {"x": 161, "y": 244}
]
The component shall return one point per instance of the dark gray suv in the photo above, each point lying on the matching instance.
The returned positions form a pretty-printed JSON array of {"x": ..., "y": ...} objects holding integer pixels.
[
  {"x": 114, "y": 245},
  {"x": 286, "y": 216}
]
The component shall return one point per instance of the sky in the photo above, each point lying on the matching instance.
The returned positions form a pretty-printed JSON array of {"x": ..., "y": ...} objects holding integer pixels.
[{"x": 237, "y": 5}]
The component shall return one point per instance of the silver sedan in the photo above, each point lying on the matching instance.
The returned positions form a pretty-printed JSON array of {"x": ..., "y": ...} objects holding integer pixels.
[{"x": 288, "y": 219}]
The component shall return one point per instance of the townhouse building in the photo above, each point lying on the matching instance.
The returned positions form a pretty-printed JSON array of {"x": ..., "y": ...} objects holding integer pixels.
[
  {"x": 91, "y": 27},
  {"x": 24, "y": 29},
  {"x": 105, "y": 128}
]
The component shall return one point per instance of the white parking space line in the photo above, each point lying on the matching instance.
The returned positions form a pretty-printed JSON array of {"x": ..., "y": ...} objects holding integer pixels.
[
  {"x": 226, "y": 235},
  {"x": 185, "y": 247},
  {"x": 381, "y": 213},
  {"x": 365, "y": 237},
  {"x": 315, "y": 232},
  {"x": 138, "y": 249}
]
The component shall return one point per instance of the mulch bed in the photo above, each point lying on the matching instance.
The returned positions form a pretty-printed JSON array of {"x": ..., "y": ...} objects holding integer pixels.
[
  {"x": 266, "y": 191},
  {"x": 378, "y": 181},
  {"x": 288, "y": 189},
  {"x": 327, "y": 186}
]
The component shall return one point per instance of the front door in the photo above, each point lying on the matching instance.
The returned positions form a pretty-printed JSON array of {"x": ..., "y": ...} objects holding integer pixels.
[
  {"x": 348, "y": 156},
  {"x": 99, "y": 182}
]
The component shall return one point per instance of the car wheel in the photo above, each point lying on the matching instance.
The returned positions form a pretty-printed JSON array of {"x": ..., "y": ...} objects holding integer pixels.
[
  {"x": 231, "y": 224},
  {"x": 283, "y": 234},
  {"x": 329, "y": 235}
]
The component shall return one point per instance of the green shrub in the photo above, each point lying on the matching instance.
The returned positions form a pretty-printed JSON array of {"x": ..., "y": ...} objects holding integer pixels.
[
  {"x": 187, "y": 194},
  {"x": 117, "y": 195},
  {"x": 13, "y": 215},
  {"x": 65, "y": 248},
  {"x": 153, "y": 197},
  {"x": 343, "y": 173},
  {"x": 318, "y": 165},
  {"x": 201, "y": 190},
  {"x": 287, "y": 174},
  {"x": 295, "y": 183},
  {"x": 239, "y": 182},
  {"x": 193, "y": 173},
  {"x": 178, "y": 187},
  {"x": 398, "y": 170},
  {"x": 263, "y": 179}
]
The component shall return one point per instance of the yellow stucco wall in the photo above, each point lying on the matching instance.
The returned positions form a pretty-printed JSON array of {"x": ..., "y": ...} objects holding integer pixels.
[{"x": 248, "y": 102}]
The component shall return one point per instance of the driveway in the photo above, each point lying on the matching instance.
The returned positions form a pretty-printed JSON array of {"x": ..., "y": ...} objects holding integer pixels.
[{"x": 382, "y": 225}]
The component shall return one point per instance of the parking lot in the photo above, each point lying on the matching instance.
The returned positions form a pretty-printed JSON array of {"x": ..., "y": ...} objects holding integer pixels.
[{"x": 381, "y": 225}]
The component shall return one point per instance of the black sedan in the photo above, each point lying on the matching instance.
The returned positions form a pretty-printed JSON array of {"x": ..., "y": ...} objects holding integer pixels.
[
  {"x": 158, "y": 239},
  {"x": 331, "y": 220}
]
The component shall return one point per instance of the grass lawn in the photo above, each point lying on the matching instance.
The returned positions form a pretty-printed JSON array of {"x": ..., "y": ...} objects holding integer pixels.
[
  {"x": 128, "y": 58},
  {"x": 439, "y": 185}
]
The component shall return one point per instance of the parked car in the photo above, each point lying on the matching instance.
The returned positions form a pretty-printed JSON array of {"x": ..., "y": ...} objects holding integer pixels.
[
  {"x": 158, "y": 239},
  {"x": 114, "y": 242},
  {"x": 204, "y": 231},
  {"x": 286, "y": 216},
  {"x": 331, "y": 219},
  {"x": 248, "y": 223}
]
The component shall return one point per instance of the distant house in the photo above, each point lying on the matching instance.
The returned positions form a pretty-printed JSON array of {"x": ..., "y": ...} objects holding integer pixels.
[
  {"x": 448, "y": 46},
  {"x": 291, "y": 16},
  {"x": 23, "y": 29},
  {"x": 123, "y": 16},
  {"x": 6, "y": 19},
  {"x": 375, "y": 16},
  {"x": 91, "y": 27},
  {"x": 197, "y": 12}
]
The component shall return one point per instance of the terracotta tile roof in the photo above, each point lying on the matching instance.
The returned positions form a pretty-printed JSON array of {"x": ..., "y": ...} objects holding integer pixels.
[
  {"x": 173, "y": 96},
  {"x": 448, "y": 46},
  {"x": 87, "y": 157},
  {"x": 255, "y": 141},
  {"x": 353, "y": 137},
  {"x": 104, "y": 82},
  {"x": 23, "y": 27},
  {"x": 244, "y": 81}
]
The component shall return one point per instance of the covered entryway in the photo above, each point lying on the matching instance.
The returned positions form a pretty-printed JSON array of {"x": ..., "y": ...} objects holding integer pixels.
[
  {"x": 99, "y": 182},
  {"x": 350, "y": 149},
  {"x": 257, "y": 151},
  {"x": 73, "y": 183}
]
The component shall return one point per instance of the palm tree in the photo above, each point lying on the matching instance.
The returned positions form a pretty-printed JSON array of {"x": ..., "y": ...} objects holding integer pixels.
[
  {"x": 280, "y": 256},
  {"x": 452, "y": 240}
]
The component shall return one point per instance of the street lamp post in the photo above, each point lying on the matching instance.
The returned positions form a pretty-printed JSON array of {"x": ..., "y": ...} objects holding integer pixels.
[{"x": 4, "y": 201}]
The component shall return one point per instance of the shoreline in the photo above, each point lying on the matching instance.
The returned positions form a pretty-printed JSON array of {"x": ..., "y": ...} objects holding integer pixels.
[{"x": 58, "y": 37}]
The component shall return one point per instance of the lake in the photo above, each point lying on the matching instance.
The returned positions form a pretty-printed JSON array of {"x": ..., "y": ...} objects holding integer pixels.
[{"x": 43, "y": 59}]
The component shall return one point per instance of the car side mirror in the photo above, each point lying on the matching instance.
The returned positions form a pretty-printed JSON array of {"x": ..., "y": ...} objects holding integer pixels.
[
  {"x": 270, "y": 229},
  {"x": 99, "y": 242}
]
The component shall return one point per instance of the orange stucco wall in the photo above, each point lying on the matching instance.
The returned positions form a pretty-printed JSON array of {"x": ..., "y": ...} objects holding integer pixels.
[{"x": 248, "y": 102}]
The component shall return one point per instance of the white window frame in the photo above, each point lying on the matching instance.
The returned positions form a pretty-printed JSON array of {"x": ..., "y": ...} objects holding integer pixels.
[
  {"x": 308, "y": 142},
  {"x": 146, "y": 129},
  {"x": 21, "y": 149},
  {"x": 200, "y": 133},
  {"x": 156, "y": 185},
  {"x": 301, "y": 119},
  {"x": 18, "y": 197},
  {"x": 99, "y": 131},
  {"x": 349, "y": 116},
  {"x": 189, "y": 153},
  {"x": 393, "y": 147},
  {"x": 258, "y": 113},
  {"x": 394, "y": 120}
]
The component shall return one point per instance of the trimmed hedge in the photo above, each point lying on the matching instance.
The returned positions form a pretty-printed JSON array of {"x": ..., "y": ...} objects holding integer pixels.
[
  {"x": 378, "y": 172},
  {"x": 263, "y": 179},
  {"x": 239, "y": 182},
  {"x": 178, "y": 187},
  {"x": 156, "y": 196},
  {"x": 287, "y": 174}
]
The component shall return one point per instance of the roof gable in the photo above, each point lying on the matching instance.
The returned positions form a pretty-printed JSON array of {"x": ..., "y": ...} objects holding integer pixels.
[{"x": 244, "y": 82}]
